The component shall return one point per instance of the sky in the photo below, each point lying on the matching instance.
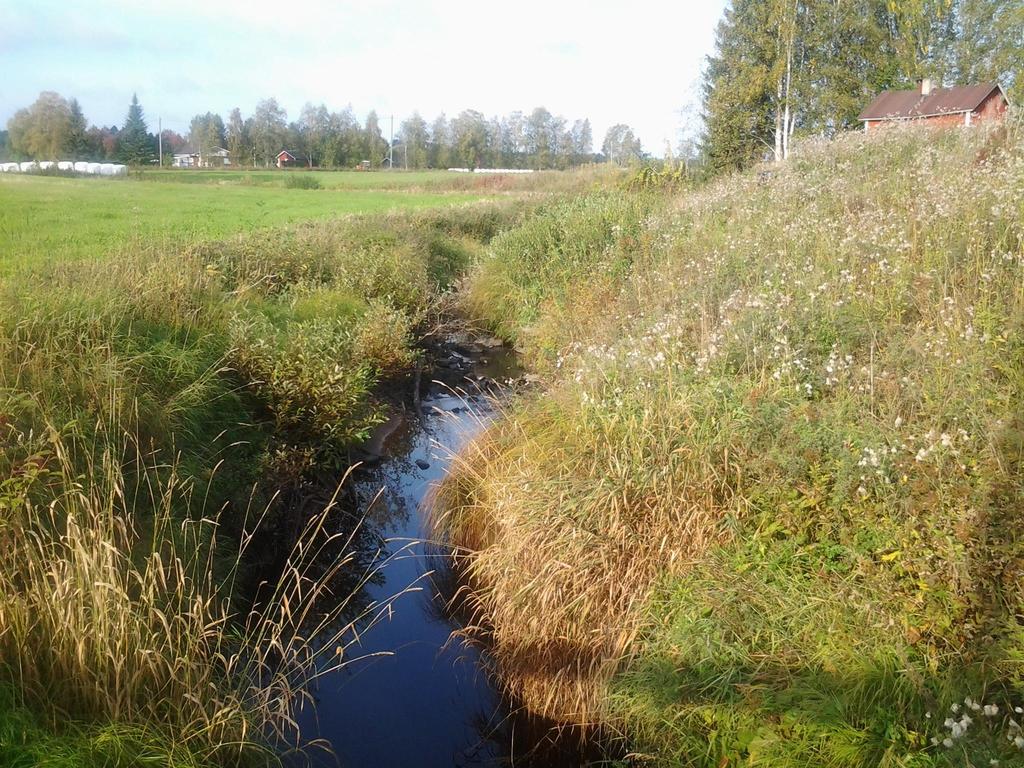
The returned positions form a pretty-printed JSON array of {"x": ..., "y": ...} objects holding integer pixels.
[{"x": 633, "y": 61}]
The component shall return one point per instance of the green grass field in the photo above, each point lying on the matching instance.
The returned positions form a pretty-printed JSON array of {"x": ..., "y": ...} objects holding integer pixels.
[
  {"x": 396, "y": 180},
  {"x": 43, "y": 218}
]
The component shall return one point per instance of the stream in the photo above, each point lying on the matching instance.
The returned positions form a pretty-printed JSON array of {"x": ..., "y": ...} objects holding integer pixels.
[{"x": 429, "y": 701}]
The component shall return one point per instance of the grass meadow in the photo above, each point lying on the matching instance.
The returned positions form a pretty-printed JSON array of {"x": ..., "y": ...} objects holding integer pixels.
[
  {"x": 272, "y": 177},
  {"x": 43, "y": 219},
  {"x": 768, "y": 509},
  {"x": 397, "y": 180}
]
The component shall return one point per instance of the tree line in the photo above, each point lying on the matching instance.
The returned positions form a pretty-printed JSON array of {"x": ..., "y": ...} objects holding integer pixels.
[
  {"x": 785, "y": 68},
  {"x": 54, "y": 127}
]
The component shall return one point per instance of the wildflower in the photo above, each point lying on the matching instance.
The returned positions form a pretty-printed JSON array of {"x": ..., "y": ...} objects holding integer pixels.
[
  {"x": 947, "y": 743},
  {"x": 991, "y": 710},
  {"x": 955, "y": 708}
]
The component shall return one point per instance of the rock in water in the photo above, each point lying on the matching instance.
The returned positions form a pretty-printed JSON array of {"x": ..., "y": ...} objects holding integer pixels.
[{"x": 422, "y": 464}]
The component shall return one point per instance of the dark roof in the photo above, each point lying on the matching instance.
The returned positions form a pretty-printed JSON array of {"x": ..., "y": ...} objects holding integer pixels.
[
  {"x": 902, "y": 105},
  {"x": 292, "y": 155},
  {"x": 188, "y": 149}
]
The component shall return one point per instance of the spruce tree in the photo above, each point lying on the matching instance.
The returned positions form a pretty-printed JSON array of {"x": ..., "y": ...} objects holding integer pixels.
[
  {"x": 77, "y": 145},
  {"x": 134, "y": 144}
]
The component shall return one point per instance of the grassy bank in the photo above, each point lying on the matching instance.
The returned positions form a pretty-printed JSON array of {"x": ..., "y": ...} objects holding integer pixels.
[
  {"x": 767, "y": 511},
  {"x": 142, "y": 396}
]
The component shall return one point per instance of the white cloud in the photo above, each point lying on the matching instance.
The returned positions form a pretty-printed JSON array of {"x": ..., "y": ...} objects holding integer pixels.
[{"x": 634, "y": 62}]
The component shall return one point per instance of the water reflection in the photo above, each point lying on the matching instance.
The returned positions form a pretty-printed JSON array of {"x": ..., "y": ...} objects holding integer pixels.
[{"x": 430, "y": 701}]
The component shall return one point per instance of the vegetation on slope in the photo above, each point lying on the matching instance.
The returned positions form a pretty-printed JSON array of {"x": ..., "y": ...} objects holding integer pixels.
[
  {"x": 141, "y": 399},
  {"x": 767, "y": 512}
]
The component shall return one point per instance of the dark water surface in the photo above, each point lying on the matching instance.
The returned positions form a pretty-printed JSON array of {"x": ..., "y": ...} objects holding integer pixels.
[{"x": 429, "y": 703}]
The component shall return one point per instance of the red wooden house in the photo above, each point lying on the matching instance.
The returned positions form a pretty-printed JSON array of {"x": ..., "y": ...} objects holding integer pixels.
[{"x": 961, "y": 105}]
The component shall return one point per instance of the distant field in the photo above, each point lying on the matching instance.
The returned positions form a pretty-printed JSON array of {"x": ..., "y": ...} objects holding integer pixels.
[
  {"x": 327, "y": 179},
  {"x": 58, "y": 218}
]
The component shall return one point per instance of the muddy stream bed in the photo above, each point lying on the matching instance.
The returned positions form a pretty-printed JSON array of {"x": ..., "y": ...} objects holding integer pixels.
[{"x": 427, "y": 700}]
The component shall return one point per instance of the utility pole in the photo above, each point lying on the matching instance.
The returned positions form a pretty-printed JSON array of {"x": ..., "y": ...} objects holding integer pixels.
[
  {"x": 160, "y": 138},
  {"x": 391, "y": 146}
]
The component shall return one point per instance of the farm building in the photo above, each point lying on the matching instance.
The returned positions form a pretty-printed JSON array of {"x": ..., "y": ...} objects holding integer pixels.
[
  {"x": 286, "y": 158},
  {"x": 189, "y": 157},
  {"x": 961, "y": 105}
]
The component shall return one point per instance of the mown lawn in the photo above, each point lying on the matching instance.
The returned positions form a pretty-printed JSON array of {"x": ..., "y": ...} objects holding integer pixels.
[{"x": 45, "y": 218}]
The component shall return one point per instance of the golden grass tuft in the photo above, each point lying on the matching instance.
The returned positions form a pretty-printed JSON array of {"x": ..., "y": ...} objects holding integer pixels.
[{"x": 111, "y": 618}]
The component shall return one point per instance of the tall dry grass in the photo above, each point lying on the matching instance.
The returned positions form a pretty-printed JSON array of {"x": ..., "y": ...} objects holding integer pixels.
[{"x": 111, "y": 615}]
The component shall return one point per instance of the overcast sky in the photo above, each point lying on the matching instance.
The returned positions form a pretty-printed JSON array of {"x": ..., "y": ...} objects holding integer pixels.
[{"x": 632, "y": 61}]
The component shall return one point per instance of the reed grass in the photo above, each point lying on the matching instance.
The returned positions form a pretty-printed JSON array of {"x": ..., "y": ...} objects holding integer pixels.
[{"x": 111, "y": 616}]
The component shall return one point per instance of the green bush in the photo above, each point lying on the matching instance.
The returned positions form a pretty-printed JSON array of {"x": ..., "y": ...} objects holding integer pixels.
[{"x": 298, "y": 180}]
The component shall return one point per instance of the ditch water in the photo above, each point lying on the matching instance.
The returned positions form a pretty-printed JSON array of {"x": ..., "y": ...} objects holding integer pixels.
[{"x": 429, "y": 701}]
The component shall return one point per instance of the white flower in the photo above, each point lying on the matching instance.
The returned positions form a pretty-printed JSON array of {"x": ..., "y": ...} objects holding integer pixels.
[
  {"x": 947, "y": 743},
  {"x": 1019, "y": 742},
  {"x": 991, "y": 710}
]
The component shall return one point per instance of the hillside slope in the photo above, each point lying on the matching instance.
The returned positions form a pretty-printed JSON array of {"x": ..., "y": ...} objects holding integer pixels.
[{"x": 768, "y": 510}]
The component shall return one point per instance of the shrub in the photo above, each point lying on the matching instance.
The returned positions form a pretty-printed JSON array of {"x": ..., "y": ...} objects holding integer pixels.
[{"x": 301, "y": 181}]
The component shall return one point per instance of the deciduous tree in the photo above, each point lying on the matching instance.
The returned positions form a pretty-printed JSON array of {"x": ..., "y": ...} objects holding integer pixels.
[
  {"x": 415, "y": 138},
  {"x": 206, "y": 134},
  {"x": 469, "y": 132},
  {"x": 268, "y": 130},
  {"x": 621, "y": 146},
  {"x": 43, "y": 130},
  {"x": 237, "y": 138}
]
